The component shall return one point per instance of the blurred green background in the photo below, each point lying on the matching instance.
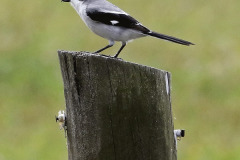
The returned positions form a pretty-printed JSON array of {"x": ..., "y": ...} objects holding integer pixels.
[{"x": 205, "y": 77}]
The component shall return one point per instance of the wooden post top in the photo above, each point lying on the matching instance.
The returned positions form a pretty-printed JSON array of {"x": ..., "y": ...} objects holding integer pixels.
[{"x": 116, "y": 110}]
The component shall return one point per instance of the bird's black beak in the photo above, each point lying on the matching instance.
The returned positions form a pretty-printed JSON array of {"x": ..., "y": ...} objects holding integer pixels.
[{"x": 65, "y": 0}]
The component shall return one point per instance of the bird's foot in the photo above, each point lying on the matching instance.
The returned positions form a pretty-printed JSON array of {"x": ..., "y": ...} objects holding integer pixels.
[
  {"x": 116, "y": 57},
  {"x": 95, "y": 52}
]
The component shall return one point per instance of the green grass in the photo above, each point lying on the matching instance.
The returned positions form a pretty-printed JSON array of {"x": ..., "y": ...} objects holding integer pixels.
[{"x": 205, "y": 77}]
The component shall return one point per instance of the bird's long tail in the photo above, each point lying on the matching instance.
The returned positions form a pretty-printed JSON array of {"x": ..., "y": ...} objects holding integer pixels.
[{"x": 169, "y": 38}]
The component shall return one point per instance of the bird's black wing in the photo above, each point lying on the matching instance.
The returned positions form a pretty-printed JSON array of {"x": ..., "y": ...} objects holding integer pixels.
[{"x": 116, "y": 19}]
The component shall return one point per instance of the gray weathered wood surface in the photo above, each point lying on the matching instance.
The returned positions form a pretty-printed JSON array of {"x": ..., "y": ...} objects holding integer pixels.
[{"x": 116, "y": 110}]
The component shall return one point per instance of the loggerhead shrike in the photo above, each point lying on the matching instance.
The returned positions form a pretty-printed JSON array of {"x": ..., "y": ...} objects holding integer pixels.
[{"x": 112, "y": 23}]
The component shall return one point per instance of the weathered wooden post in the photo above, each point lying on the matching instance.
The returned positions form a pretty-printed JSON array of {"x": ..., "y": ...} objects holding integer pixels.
[{"x": 116, "y": 110}]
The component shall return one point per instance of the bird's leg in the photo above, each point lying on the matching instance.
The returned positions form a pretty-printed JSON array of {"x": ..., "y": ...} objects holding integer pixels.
[
  {"x": 123, "y": 45},
  {"x": 111, "y": 43}
]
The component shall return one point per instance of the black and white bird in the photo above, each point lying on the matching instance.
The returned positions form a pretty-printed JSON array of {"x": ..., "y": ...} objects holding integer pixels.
[{"x": 113, "y": 24}]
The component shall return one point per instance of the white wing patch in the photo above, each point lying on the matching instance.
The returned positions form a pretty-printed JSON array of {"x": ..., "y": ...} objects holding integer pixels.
[
  {"x": 113, "y": 12},
  {"x": 114, "y": 22}
]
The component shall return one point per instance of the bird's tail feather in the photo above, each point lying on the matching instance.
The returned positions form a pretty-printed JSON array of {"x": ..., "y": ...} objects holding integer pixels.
[{"x": 169, "y": 38}]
